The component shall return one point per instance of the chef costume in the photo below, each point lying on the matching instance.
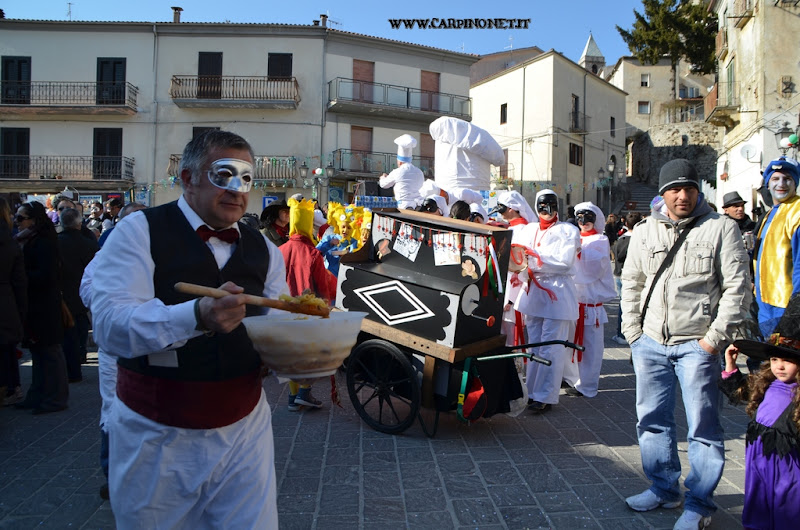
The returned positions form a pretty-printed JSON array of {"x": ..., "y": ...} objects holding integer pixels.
[
  {"x": 407, "y": 179},
  {"x": 594, "y": 283}
]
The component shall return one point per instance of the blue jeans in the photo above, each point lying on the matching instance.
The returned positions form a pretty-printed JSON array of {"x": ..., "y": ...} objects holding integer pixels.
[{"x": 658, "y": 368}]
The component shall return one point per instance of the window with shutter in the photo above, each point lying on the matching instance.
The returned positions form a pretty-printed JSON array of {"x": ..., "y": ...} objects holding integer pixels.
[
  {"x": 16, "y": 80},
  {"x": 279, "y": 65},
  {"x": 110, "y": 80},
  {"x": 14, "y": 152}
]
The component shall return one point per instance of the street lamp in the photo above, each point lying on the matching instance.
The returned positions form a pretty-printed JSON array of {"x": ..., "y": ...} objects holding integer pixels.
[
  {"x": 785, "y": 138},
  {"x": 303, "y": 171}
]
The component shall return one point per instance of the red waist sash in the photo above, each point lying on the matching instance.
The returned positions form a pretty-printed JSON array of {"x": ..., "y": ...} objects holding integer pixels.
[{"x": 189, "y": 404}]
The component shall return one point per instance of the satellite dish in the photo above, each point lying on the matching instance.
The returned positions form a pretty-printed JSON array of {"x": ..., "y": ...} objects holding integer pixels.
[{"x": 748, "y": 151}]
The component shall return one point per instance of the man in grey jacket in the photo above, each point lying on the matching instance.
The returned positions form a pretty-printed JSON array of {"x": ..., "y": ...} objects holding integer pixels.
[{"x": 695, "y": 305}]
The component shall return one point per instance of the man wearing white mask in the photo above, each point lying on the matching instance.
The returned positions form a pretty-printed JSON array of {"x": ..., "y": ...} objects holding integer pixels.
[
  {"x": 595, "y": 285},
  {"x": 407, "y": 179},
  {"x": 550, "y": 303}
]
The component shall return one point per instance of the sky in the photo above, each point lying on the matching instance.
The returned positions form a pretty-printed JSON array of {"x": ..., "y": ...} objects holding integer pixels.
[{"x": 554, "y": 24}]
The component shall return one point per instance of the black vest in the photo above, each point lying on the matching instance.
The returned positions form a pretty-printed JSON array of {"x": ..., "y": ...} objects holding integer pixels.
[{"x": 181, "y": 256}]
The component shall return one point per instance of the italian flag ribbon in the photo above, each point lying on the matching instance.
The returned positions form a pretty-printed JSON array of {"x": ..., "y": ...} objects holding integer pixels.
[{"x": 492, "y": 278}]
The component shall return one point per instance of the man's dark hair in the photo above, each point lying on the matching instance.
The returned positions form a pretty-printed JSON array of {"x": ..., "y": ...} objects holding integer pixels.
[
  {"x": 195, "y": 154},
  {"x": 632, "y": 219},
  {"x": 460, "y": 210},
  {"x": 130, "y": 208},
  {"x": 71, "y": 218},
  {"x": 114, "y": 202}
]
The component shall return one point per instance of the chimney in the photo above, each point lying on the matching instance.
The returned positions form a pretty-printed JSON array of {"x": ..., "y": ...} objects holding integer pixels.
[
  {"x": 176, "y": 14},
  {"x": 315, "y": 22},
  {"x": 323, "y": 20}
]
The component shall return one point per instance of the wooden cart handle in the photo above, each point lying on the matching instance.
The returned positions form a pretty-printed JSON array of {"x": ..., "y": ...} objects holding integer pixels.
[{"x": 305, "y": 309}]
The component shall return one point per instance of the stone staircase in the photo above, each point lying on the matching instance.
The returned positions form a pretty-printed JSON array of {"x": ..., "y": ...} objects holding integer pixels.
[{"x": 640, "y": 197}]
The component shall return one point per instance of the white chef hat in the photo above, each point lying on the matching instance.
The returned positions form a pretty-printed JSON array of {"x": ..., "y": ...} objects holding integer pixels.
[
  {"x": 440, "y": 202},
  {"x": 405, "y": 145},
  {"x": 515, "y": 201},
  {"x": 480, "y": 210},
  {"x": 429, "y": 187}
]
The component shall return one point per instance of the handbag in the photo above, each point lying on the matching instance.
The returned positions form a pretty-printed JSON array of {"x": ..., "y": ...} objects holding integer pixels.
[{"x": 66, "y": 316}]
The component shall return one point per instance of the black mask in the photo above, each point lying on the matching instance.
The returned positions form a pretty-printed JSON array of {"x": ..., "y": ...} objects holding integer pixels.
[
  {"x": 500, "y": 208},
  {"x": 585, "y": 216},
  {"x": 428, "y": 205},
  {"x": 547, "y": 204}
]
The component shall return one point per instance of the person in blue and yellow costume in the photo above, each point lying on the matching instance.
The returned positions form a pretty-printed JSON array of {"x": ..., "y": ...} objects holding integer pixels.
[
  {"x": 305, "y": 271},
  {"x": 777, "y": 253}
]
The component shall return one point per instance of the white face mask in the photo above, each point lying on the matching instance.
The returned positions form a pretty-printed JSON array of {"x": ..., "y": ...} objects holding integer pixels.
[
  {"x": 231, "y": 174},
  {"x": 781, "y": 187}
]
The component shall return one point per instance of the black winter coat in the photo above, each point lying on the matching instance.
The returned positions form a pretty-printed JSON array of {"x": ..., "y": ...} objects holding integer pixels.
[
  {"x": 76, "y": 252},
  {"x": 43, "y": 323},
  {"x": 13, "y": 289}
]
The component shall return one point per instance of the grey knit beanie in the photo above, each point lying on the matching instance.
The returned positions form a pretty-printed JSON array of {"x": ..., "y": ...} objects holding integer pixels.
[{"x": 677, "y": 173}]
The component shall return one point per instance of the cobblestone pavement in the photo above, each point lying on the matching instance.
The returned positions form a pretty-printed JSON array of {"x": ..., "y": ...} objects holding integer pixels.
[{"x": 569, "y": 468}]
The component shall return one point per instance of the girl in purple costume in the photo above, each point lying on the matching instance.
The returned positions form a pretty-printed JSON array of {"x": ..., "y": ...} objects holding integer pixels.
[{"x": 772, "y": 454}]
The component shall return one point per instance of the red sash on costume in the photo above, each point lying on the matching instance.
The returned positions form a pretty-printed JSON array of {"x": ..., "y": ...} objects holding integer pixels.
[
  {"x": 189, "y": 404},
  {"x": 579, "y": 328}
]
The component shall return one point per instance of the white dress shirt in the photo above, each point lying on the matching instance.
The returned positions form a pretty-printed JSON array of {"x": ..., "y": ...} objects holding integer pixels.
[{"x": 129, "y": 320}]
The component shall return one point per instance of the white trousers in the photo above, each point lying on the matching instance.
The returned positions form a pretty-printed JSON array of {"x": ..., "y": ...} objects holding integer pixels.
[
  {"x": 169, "y": 477},
  {"x": 544, "y": 382},
  {"x": 585, "y": 375}
]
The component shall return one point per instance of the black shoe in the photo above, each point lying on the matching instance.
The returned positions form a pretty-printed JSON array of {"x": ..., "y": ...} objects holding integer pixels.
[
  {"x": 539, "y": 408},
  {"x": 530, "y": 401},
  {"x": 24, "y": 404},
  {"x": 574, "y": 392},
  {"x": 104, "y": 492},
  {"x": 40, "y": 410},
  {"x": 564, "y": 384}
]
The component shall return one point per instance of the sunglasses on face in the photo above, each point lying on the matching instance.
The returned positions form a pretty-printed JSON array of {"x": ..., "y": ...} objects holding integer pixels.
[
  {"x": 19, "y": 218},
  {"x": 231, "y": 174}
]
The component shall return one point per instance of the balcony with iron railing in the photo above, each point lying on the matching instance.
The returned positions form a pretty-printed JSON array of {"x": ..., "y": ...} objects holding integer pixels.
[
  {"x": 67, "y": 97},
  {"x": 44, "y": 172},
  {"x": 367, "y": 98},
  {"x": 722, "y": 44},
  {"x": 721, "y": 105},
  {"x": 218, "y": 91},
  {"x": 742, "y": 12},
  {"x": 265, "y": 167},
  {"x": 578, "y": 122},
  {"x": 372, "y": 164}
]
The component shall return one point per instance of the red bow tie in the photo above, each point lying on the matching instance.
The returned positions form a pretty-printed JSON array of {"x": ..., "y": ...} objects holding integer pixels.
[{"x": 229, "y": 235}]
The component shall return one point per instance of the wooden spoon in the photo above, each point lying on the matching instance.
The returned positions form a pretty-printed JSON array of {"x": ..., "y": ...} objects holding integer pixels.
[{"x": 305, "y": 309}]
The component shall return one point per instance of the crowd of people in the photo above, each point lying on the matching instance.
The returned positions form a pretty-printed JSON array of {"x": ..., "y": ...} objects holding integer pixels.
[{"x": 178, "y": 372}]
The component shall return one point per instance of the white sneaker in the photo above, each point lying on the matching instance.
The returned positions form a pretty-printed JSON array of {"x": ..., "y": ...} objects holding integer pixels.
[
  {"x": 647, "y": 500},
  {"x": 690, "y": 520},
  {"x": 619, "y": 339}
]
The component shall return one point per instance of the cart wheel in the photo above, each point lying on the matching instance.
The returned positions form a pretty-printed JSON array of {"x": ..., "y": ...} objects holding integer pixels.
[{"x": 383, "y": 386}]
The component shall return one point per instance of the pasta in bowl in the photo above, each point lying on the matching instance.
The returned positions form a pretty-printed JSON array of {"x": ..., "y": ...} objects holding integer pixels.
[{"x": 304, "y": 347}]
